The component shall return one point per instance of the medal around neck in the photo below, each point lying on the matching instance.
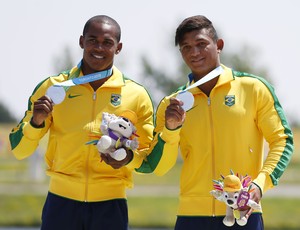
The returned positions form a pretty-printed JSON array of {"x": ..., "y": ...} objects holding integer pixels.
[
  {"x": 56, "y": 93},
  {"x": 187, "y": 98}
]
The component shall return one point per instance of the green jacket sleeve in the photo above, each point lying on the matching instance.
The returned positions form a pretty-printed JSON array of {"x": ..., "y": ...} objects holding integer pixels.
[
  {"x": 164, "y": 148},
  {"x": 24, "y": 138},
  {"x": 273, "y": 124},
  {"x": 145, "y": 130}
]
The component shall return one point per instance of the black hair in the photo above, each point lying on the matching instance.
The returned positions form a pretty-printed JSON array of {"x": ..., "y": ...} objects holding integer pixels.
[
  {"x": 105, "y": 19},
  {"x": 197, "y": 22}
]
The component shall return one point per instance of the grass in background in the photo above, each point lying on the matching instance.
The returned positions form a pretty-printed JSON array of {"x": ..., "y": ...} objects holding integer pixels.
[
  {"x": 25, "y": 210},
  {"x": 152, "y": 211},
  {"x": 144, "y": 211},
  {"x": 171, "y": 178}
]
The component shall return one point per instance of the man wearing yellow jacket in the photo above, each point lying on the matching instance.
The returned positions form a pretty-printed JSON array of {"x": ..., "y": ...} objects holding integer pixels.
[
  {"x": 85, "y": 192},
  {"x": 225, "y": 129}
]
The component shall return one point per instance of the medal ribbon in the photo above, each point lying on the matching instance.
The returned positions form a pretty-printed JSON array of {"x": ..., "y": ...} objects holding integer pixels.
[
  {"x": 57, "y": 92},
  {"x": 187, "y": 97},
  {"x": 211, "y": 75},
  {"x": 86, "y": 78}
]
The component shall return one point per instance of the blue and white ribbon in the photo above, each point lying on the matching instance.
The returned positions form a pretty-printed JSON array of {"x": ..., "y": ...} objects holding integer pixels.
[
  {"x": 86, "y": 78},
  {"x": 57, "y": 92}
]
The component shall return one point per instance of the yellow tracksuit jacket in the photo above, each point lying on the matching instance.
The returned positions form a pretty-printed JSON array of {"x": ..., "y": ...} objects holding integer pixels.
[
  {"x": 74, "y": 167},
  {"x": 221, "y": 132}
]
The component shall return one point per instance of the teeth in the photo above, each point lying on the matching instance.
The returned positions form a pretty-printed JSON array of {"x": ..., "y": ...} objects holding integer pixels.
[{"x": 97, "y": 56}]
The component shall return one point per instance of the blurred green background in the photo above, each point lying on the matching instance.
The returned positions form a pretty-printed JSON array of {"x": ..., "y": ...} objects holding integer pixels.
[{"x": 152, "y": 202}]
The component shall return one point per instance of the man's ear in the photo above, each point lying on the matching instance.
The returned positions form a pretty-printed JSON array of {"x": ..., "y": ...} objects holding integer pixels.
[
  {"x": 220, "y": 45},
  {"x": 81, "y": 41},
  {"x": 119, "y": 48}
]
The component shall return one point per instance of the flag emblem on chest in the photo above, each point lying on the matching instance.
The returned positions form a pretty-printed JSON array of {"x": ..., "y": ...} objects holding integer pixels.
[
  {"x": 115, "y": 99},
  {"x": 229, "y": 100}
]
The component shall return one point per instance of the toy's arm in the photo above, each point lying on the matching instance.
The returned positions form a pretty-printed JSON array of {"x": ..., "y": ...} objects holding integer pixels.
[
  {"x": 131, "y": 144},
  {"x": 254, "y": 205},
  {"x": 104, "y": 123},
  {"x": 217, "y": 194}
]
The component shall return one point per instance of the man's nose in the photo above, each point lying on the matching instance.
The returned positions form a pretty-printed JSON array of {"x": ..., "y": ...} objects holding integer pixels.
[
  {"x": 99, "y": 46},
  {"x": 195, "y": 50}
]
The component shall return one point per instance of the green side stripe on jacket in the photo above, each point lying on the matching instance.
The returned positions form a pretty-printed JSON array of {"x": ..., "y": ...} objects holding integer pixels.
[
  {"x": 289, "y": 147},
  {"x": 150, "y": 164},
  {"x": 16, "y": 137}
]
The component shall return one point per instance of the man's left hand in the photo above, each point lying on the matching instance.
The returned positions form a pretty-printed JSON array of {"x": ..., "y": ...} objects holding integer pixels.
[{"x": 255, "y": 195}]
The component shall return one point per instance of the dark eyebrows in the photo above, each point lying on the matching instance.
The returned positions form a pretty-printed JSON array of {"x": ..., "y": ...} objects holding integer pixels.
[{"x": 197, "y": 40}]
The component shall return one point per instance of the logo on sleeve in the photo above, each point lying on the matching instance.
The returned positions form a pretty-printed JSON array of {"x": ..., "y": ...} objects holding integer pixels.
[
  {"x": 115, "y": 99},
  {"x": 230, "y": 100}
]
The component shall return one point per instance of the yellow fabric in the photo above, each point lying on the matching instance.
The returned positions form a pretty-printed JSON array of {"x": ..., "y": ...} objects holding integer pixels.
[
  {"x": 222, "y": 132},
  {"x": 74, "y": 167}
]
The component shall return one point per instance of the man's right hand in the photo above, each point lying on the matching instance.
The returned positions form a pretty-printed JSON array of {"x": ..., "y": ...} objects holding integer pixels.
[
  {"x": 41, "y": 110},
  {"x": 115, "y": 163},
  {"x": 174, "y": 114}
]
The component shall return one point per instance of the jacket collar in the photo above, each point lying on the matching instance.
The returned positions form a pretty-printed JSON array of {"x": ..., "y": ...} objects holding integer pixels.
[
  {"x": 116, "y": 80},
  {"x": 224, "y": 78}
]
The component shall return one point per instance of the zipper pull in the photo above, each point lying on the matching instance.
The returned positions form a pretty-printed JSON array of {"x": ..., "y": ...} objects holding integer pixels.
[
  {"x": 208, "y": 101},
  {"x": 94, "y": 95}
]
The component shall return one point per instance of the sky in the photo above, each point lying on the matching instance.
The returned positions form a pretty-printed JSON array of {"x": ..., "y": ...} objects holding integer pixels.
[{"x": 35, "y": 33}]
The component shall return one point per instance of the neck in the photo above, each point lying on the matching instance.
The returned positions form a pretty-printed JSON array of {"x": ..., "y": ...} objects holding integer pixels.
[
  {"x": 208, "y": 86},
  {"x": 97, "y": 84},
  {"x": 207, "y": 80},
  {"x": 86, "y": 70}
]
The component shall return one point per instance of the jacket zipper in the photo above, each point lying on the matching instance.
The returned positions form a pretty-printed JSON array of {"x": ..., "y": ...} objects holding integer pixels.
[
  {"x": 86, "y": 175},
  {"x": 212, "y": 148},
  {"x": 88, "y": 153}
]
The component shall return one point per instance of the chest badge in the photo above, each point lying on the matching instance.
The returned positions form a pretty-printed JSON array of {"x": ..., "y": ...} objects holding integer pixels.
[
  {"x": 115, "y": 99},
  {"x": 230, "y": 100}
]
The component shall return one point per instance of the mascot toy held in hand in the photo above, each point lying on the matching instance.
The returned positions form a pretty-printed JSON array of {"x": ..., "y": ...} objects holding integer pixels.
[
  {"x": 234, "y": 191},
  {"x": 116, "y": 134}
]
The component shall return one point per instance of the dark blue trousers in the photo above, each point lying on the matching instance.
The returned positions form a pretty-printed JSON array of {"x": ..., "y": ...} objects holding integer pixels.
[
  {"x": 255, "y": 222},
  {"x": 60, "y": 213}
]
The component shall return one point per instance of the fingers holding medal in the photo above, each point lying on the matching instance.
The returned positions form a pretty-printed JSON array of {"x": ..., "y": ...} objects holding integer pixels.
[{"x": 174, "y": 114}]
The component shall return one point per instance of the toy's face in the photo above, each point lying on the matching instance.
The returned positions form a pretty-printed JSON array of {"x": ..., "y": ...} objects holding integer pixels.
[
  {"x": 123, "y": 126},
  {"x": 230, "y": 198}
]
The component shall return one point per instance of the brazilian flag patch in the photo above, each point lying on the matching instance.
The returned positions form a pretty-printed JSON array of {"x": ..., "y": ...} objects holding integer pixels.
[
  {"x": 229, "y": 100},
  {"x": 115, "y": 99}
]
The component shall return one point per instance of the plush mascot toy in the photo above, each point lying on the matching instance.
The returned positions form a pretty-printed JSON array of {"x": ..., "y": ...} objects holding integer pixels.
[
  {"x": 235, "y": 192},
  {"x": 117, "y": 133}
]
